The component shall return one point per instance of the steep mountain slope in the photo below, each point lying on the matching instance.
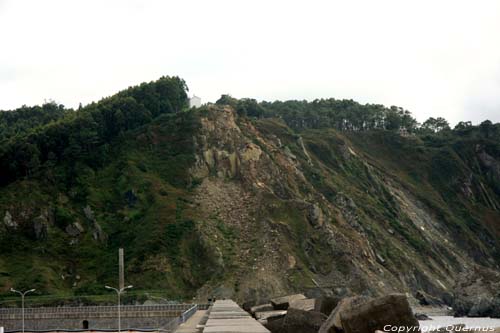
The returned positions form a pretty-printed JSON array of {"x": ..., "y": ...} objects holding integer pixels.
[{"x": 210, "y": 201}]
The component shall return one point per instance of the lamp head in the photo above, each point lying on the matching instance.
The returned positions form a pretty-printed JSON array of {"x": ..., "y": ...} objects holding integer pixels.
[
  {"x": 131, "y": 286},
  {"x": 108, "y": 287},
  {"x": 31, "y": 290}
]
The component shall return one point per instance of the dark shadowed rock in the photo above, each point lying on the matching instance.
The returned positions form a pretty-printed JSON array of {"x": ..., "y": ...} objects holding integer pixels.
[
  {"x": 426, "y": 299},
  {"x": 422, "y": 316},
  {"x": 247, "y": 306},
  {"x": 282, "y": 303},
  {"x": 300, "y": 321},
  {"x": 333, "y": 324},
  {"x": 393, "y": 310},
  {"x": 275, "y": 324},
  {"x": 328, "y": 304}
]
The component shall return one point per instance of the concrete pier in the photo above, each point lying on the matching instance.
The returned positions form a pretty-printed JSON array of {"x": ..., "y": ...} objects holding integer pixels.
[{"x": 227, "y": 317}]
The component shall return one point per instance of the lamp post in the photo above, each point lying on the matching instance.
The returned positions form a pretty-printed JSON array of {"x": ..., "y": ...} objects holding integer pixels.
[
  {"x": 22, "y": 300},
  {"x": 119, "y": 292}
]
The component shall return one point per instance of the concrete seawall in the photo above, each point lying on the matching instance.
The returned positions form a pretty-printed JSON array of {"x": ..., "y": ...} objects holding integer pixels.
[{"x": 92, "y": 317}]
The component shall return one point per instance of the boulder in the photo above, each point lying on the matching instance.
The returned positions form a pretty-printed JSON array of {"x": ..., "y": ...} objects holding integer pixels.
[
  {"x": 270, "y": 314},
  {"x": 308, "y": 304},
  {"x": 300, "y": 321},
  {"x": 275, "y": 324},
  {"x": 333, "y": 324},
  {"x": 261, "y": 308},
  {"x": 393, "y": 310},
  {"x": 282, "y": 303}
]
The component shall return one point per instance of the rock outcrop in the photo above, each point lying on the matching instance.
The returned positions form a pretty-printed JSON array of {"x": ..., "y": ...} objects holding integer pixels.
[
  {"x": 377, "y": 314},
  {"x": 333, "y": 324},
  {"x": 477, "y": 294}
]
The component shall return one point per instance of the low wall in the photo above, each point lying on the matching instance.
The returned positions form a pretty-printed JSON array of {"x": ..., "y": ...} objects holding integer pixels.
[{"x": 92, "y": 317}]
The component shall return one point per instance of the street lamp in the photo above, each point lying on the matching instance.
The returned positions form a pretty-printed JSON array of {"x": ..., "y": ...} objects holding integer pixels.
[
  {"x": 22, "y": 300},
  {"x": 118, "y": 292}
]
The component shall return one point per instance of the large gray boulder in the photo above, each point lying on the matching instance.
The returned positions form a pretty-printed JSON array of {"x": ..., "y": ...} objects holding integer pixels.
[
  {"x": 282, "y": 303},
  {"x": 334, "y": 324},
  {"x": 377, "y": 314},
  {"x": 300, "y": 321}
]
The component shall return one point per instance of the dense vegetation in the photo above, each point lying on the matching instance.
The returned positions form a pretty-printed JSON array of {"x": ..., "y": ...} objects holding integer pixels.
[
  {"x": 41, "y": 136},
  {"x": 348, "y": 115}
]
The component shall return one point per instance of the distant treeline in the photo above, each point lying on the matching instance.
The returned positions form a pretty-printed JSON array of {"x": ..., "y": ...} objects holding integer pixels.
[
  {"x": 32, "y": 137},
  {"x": 348, "y": 115}
]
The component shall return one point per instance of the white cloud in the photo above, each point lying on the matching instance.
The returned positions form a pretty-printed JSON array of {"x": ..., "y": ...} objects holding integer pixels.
[{"x": 435, "y": 58}]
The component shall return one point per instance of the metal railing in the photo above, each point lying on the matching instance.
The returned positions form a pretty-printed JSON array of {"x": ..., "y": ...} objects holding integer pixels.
[
  {"x": 188, "y": 313},
  {"x": 100, "y": 309},
  {"x": 174, "y": 324}
]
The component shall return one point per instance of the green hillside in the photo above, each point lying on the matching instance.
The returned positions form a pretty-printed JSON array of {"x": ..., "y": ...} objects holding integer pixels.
[{"x": 242, "y": 199}]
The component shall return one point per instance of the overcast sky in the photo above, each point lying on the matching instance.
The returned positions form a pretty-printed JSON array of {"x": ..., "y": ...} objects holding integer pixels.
[{"x": 434, "y": 58}]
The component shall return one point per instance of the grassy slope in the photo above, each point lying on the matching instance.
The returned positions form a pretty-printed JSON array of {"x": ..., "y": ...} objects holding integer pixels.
[{"x": 141, "y": 201}]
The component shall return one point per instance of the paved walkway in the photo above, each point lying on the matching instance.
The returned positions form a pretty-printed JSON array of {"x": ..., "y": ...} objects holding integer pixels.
[
  {"x": 190, "y": 325},
  {"x": 227, "y": 317}
]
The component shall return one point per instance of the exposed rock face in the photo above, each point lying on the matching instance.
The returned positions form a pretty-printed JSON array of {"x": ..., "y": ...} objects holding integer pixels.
[
  {"x": 74, "y": 229},
  {"x": 376, "y": 314},
  {"x": 97, "y": 233},
  {"x": 478, "y": 294},
  {"x": 89, "y": 213},
  {"x": 282, "y": 303},
  {"x": 8, "y": 221},
  {"x": 315, "y": 216},
  {"x": 248, "y": 173},
  {"x": 426, "y": 299}
]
